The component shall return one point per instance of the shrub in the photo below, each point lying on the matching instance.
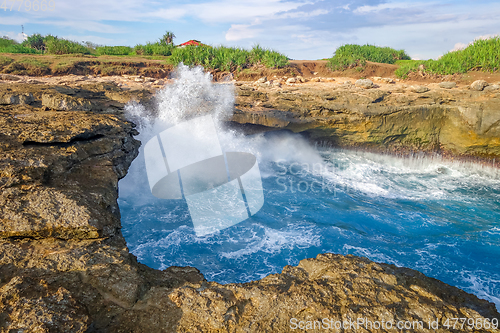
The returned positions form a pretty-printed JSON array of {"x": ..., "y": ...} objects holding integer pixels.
[
  {"x": 55, "y": 45},
  {"x": 35, "y": 41},
  {"x": 6, "y": 42},
  {"x": 481, "y": 55},
  {"x": 113, "y": 50},
  {"x": 352, "y": 55},
  {"x": 17, "y": 48}
]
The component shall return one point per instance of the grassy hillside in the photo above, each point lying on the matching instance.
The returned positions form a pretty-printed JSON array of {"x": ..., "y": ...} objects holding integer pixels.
[
  {"x": 222, "y": 58},
  {"x": 352, "y": 55},
  {"x": 481, "y": 55}
]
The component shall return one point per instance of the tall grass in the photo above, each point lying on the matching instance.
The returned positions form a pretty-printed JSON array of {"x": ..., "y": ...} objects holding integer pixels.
[
  {"x": 113, "y": 50},
  {"x": 481, "y": 55},
  {"x": 154, "y": 49},
  {"x": 227, "y": 58},
  {"x": 54, "y": 45},
  {"x": 352, "y": 55}
]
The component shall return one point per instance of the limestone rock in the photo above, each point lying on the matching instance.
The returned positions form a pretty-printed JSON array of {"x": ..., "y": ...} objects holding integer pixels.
[
  {"x": 7, "y": 77},
  {"x": 419, "y": 89},
  {"x": 291, "y": 80},
  {"x": 447, "y": 85},
  {"x": 65, "y": 103},
  {"x": 478, "y": 85},
  {"x": 262, "y": 80},
  {"x": 300, "y": 79},
  {"x": 65, "y": 267},
  {"x": 365, "y": 84},
  {"x": 494, "y": 87},
  {"x": 8, "y": 98},
  {"x": 30, "y": 305}
]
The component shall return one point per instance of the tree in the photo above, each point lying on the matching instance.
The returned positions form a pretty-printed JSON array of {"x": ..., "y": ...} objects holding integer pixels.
[
  {"x": 35, "y": 41},
  {"x": 168, "y": 38}
]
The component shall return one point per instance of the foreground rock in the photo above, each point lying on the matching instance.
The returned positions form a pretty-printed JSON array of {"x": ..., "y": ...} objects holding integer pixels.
[{"x": 65, "y": 267}]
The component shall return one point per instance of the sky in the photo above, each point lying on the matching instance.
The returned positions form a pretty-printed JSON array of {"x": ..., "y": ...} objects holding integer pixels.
[{"x": 301, "y": 29}]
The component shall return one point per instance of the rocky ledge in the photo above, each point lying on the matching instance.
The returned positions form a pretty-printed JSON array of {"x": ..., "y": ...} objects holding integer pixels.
[
  {"x": 65, "y": 267},
  {"x": 383, "y": 116}
]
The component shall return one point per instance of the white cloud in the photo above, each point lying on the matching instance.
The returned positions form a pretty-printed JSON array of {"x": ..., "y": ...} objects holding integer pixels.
[
  {"x": 228, "y": 11},
  {"x": 458, "y": 46},
  {"x": 241, "y": 31},
  {"x": 373, "y": 9},
  {"x": 17, "y": 36}
]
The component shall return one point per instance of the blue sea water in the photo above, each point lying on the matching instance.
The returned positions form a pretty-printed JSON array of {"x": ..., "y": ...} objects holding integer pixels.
[
  {"x": 436, "y": 216},
  {"x": 441, "y": 218}
]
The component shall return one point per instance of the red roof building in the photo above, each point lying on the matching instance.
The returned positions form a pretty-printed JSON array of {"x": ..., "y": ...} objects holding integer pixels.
[{"x": 191, "y": 42}]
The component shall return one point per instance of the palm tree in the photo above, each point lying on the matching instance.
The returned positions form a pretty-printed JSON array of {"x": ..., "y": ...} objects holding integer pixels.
[{"x": 168, "y": 38}]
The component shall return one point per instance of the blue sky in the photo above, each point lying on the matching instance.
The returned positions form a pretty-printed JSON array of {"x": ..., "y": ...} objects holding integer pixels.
[{"x": 302, "y": 29}]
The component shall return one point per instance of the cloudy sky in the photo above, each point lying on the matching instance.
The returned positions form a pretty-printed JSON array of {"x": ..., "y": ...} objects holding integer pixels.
[{"x": 302, "y": 29}]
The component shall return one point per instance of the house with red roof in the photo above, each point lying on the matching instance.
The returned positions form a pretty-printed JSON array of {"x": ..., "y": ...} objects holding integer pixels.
[{"x": 191, "y": 42}]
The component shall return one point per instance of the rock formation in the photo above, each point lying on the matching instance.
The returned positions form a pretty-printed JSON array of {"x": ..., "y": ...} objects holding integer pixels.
[{"x": 65, "y": 267}]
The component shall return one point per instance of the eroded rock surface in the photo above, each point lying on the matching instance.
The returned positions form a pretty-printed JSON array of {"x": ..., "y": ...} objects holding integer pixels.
[
  {"x": 393, "y": 118},
  {"x": 65, "y": 267}
]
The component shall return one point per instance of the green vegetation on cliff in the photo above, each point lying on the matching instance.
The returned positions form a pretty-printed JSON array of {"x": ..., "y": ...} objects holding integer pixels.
[
  {"x": 227, "y": 58},
  {"x": 481, "y": 55},
  {"x": 222, "y": 58},
  {"x": 352, "y": 55}
]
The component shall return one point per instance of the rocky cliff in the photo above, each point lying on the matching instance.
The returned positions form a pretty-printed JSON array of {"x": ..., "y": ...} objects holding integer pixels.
[
  {"x": 386, "y": 117},
  {"x": 65, "y": 267}
]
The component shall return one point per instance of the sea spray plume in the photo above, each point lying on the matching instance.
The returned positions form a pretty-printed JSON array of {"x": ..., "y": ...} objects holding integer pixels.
[
  {"x": 194, "y": 94},
  {"x": 191, "y": 94},
  {"x": 184, "y": 159}
]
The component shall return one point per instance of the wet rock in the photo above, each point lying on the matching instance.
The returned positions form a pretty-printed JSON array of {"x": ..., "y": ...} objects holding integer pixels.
[
  {"x": 478, "y": 85},
  {"x": 447, "y": 85},
  {"x": 419, "y": 89},
  {"x": 365, "y": 84}
]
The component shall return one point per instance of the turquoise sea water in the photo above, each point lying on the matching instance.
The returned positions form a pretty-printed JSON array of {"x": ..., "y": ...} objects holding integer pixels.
[{"x": 441, "y": 218}]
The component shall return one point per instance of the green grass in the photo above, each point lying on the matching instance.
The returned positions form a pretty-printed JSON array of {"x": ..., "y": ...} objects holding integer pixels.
[
  {"x": 27, "y": 66},
  {"x": 352, "y": 55},
  {"x": 227, "y": 58},
  {"x": 481, "y": 55},
  {"x": 4, "y": 61},
  {"x": 113, "y": 50}
]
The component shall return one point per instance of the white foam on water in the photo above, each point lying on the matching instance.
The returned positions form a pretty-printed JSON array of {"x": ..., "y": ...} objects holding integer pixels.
[
  {"x": 296, "y": 236},
  {"x": 412, "y": 178},
  {"x": 480, "y": 287}
]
